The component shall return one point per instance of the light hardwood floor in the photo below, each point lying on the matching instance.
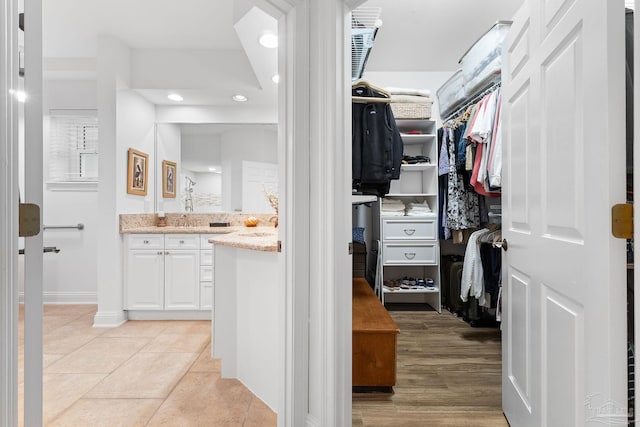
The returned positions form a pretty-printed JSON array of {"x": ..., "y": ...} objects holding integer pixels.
[
  {"x": 448, "y": 374},
  {"x": 142, "y": 373}
]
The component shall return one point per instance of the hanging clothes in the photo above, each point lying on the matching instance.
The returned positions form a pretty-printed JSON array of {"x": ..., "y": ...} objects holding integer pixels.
[
  {"x": 377, "y": 147},
  {"x": 462, "y": 205},
  {"x": 472, "y": 283}
]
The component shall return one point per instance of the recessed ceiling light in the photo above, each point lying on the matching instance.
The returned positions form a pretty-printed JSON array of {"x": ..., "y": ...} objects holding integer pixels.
[
  {"x": 239, "y": 98},
  {"x": 175, "y": 97},
  {"x": 269, "y": 40},
  {"x": 212, "y": 169},
  {"x": 276, "y": 78}
]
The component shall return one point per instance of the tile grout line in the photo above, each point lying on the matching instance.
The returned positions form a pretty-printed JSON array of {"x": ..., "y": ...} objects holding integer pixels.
[{"x": 174, "y": 387}]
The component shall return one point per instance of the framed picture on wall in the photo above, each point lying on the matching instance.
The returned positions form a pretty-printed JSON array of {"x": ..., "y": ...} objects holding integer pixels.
[
  {"x": 137, "y": 172},
  {"x": 168, "y": 179}
]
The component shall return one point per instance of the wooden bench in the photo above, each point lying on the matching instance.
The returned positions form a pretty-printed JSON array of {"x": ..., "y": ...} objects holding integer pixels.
[{"x": 374, "y": 339}]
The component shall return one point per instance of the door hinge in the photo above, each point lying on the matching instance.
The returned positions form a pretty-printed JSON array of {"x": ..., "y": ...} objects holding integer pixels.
[
  {"x": 622, "y": 221},
  {"x": 350, "y": 248},
  {"x": 28, "y": 220}
]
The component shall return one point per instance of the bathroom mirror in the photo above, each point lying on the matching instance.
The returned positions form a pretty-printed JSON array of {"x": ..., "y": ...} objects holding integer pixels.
[{"x": 220, "y": 167}]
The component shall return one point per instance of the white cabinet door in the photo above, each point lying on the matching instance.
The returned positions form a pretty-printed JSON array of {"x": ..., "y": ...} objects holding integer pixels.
[
  {"x": 182, "y": 280},
  {"x": 144, "y": 280},
  {"x": 564, "y": 330}
]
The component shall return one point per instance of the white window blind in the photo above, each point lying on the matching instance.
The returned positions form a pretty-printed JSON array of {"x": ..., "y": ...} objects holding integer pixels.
[{"x": 73, "y": 147}]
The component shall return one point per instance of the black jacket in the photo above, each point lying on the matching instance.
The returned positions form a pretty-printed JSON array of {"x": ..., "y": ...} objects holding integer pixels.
[{"x": 376, "y": 145}]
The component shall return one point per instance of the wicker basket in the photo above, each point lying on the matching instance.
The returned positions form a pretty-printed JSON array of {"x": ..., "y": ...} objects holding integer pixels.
[{"x": 411, "y": 110}]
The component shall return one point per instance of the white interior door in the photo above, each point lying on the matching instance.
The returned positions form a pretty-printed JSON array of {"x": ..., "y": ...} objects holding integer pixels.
[{"x": 564, "y": 328}]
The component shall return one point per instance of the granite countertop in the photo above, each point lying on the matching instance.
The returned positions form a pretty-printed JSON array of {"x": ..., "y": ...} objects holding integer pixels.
[
  {"x": 253, "y": 238},
  {"x": 181, "y": 230}
]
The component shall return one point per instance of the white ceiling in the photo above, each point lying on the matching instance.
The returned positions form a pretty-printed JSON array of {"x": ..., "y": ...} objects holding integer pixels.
[
  {"x": 432, "y": 35},
  {"x": 210, "y": 46},
  {"x": 71, "y": 26}
]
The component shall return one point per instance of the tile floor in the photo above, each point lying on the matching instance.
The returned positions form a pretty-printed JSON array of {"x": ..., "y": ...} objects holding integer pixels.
[{"x": 143, "y": 373}]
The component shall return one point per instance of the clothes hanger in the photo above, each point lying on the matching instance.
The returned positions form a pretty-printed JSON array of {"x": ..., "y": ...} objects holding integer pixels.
[{"x": 384, "y": 98}]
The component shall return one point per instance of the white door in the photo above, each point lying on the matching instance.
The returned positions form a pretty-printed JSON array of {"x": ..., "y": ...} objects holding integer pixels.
[
  {"x": 564, "y": 327},
  {"x": 181, "y": 280}
]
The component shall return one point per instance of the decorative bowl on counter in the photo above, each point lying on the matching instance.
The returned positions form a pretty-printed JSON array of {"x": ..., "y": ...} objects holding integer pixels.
[{"x": 252, "y": 221}]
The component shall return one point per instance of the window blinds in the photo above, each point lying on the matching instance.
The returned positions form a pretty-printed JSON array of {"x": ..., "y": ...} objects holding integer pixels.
[{"x": 73, "y": 146}]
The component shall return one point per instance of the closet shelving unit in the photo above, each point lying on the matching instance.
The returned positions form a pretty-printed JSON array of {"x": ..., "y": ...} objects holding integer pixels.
[{"x": 410, "y": 243}]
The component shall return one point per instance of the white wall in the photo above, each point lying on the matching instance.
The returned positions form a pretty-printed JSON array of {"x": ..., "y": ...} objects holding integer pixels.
[
  {"x": 168, "y": 142},
  {"x": 71, "y": 275},
  {"x": 239, "y": 145},
  {"x": 113, "y": 71},
  {"x": 135, "y": 120}
]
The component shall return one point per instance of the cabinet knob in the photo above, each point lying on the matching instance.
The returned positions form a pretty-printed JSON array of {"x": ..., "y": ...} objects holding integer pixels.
[
  {"x": 409, "y": 255},
  {"x": 409, "y": 231},
  {"x": 146, "y": 242},
  {"x": 181, "y": 242},
  {"x": 159, "y": 252},
  {"x": 166, "y": 253}
]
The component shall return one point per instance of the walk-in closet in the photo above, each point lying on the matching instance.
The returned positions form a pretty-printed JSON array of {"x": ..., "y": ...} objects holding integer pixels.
[{"x": 445, "y": 188}]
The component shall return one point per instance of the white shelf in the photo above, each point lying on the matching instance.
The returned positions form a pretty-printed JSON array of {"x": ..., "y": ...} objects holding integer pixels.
[
  {"x": 417, "y": 138},
  {"x": 417, "y": 167},
  {"x": 357, "y": 199},
  {"x": 409, "y": 218},
  {"x": 412, "y": 291},
  {"x": 417, "y": 181},
  {"x": 423, "y": 125},
  {"x": 411, "y": 195}
]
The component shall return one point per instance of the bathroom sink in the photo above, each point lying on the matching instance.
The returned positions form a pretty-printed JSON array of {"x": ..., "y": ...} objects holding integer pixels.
[{"x": 255, "y": 234}]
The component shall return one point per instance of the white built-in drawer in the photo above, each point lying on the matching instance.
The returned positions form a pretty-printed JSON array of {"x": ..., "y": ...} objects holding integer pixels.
[
  {"x": 206, "y": 257},
  {"x": 204, "y": 241},
  {"x": 206, "y": 295},
  {"x": 206, "y": 273},
  {"x": 413, "y": 253},
  {"x": 401, "y": 229},
  {"x": 181, "y": 241},
  {"x": 145, "y": 241}
]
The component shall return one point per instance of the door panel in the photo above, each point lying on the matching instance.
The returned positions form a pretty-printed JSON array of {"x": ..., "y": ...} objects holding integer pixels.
[
  {"x": 181, "y": 280},
  {"x": 518, "y": 366},
  {"x": 564, "y": 323},
  {"x": 562, "y": 346}
]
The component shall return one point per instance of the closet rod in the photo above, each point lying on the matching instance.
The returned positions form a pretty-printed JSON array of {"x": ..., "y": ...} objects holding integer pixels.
[{"x": 494, "y": 85}]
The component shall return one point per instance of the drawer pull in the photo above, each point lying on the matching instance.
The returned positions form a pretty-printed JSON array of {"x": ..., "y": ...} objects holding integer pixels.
[
  {"x": 182, "y": 242},
  {"x": 409, "y": 255},
  {"x": 409, "y": 231},
  {"x": 159, "y": 252},
  {"x": 146, "y": 242},
  {"x": 166, "y": 253}
]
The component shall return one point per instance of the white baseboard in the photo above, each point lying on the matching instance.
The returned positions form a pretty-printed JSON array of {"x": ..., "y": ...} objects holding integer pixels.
[
  {"x": 66, "y": 297},
  {"x": 109, "y": 319},
  {"x": 169, "y": 315}
]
